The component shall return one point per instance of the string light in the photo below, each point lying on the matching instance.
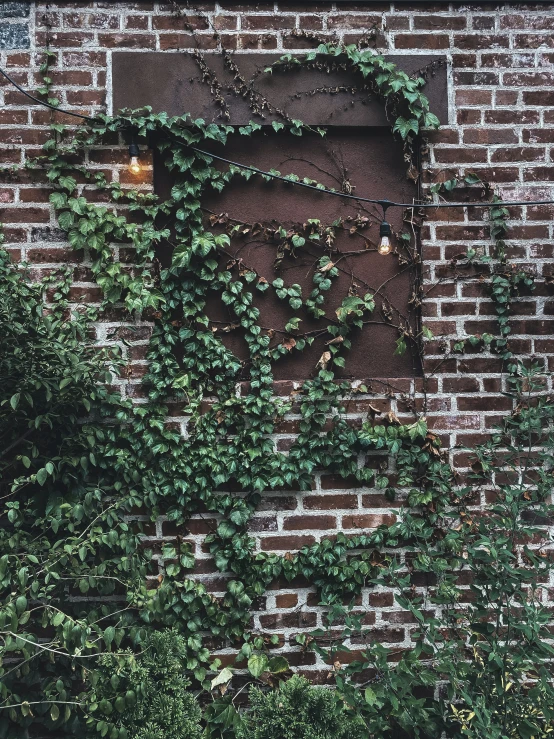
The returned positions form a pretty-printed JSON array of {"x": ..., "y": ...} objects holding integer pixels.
[
  {"x": 134, "y": 153},
  {"x": 391, "y": 204},
  {"x": 385, "y": 232}
]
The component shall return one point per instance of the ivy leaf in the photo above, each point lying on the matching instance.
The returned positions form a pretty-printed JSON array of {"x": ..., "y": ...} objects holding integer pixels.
[
  {"x": 431, "y": 120},
  {"x": 418, "y": 429},
  {"x": 278, "y": 665},
  {"x": 257, "y": 664},
  {"x": 404, "y": 127},
  {"x": 400, "y": 346},
  {"x": 427, "y": 332},
  {"x": 222, "y": 678}
]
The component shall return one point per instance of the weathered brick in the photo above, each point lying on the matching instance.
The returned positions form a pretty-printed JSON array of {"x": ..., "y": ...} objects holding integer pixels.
[
  {"x": 14, "y": 36},
  {"x": 296, "y": 523},
  {"x": 440, "y": 22},
  {"x": 14, "y": 9},
  {"x": 330, "y": 502},
  {"x": 421, "y": 41},
  {"x": 286, "y": 543}
]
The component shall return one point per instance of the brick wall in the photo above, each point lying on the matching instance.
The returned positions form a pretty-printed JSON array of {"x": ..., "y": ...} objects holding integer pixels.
[{"x": 501, "y": 92}]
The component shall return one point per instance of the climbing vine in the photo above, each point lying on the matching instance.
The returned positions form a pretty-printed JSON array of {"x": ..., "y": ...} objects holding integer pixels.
[{"x": 77, "y": 499}]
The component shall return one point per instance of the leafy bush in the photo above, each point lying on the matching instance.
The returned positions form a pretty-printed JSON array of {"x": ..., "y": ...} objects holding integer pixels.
[
  {"x": 145, "y": 696},
  {"x": 297, "y": 710}
]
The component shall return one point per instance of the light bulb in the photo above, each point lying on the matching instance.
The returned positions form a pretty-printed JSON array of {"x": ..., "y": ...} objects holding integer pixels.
[
  {"x": 134, "y": 165},
  {"x": 385, "y": 246},
  {"x": 385, "y": 232}
]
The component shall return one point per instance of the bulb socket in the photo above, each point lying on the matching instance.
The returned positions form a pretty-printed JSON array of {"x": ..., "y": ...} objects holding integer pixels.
[
  {"x": 385, "y": 229},
  {"x": 134, "y": 151}
]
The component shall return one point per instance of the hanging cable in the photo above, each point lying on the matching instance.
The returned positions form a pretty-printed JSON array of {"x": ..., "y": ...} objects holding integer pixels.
[{"x": 384, "y": 203}]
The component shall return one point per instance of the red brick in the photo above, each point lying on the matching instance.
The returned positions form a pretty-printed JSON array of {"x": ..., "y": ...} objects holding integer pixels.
[
  {"x": 381, "y": 600},
  {"x": 481, "y": 41},
  {"x": 465, "y": 154},
  {"x": 267, "y": 22},
  {"x": 367, "y": 520},
  {"x": 363, "y": 21},
  {"x": 127, "y": 40},
  {"x": 533, "y": 40},
  {"x": 490, "y": 136},
  {"x": 286, "y": 600},
  {"x": 286, "y": 543},
  {"x": 330, "y": 502},
  {"x": 460, "y": 385},
  {"x": 52, "y": 255},
  {"x": 296, "y": 523},
  {"x": 295, "y": 620},
  {"x": 186, "y": 41},
  {"x": 179, "y": 23},
  {"x": 518, "y": 154},
  {"x": 136, "y": 22},
  {"x": 8, "y": 117},
  {"x": 536, "y": 78},
  {"x": 484, "y": 403},
  {"x": 6, "y": 196},
  {"x": 440, "y": 22},
  {"x": 24, "y": 215},
  {"x": 474, "y": 97},
  {"x": 421, "y": 41},
  {"x": 511, "y": 117},
  {"x": 542, "y": 98},
  {"x": 474, "y": 79}
]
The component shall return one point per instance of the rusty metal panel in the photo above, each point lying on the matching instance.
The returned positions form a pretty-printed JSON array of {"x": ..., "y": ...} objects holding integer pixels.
[
  {"x": 368, "y": 160},
  {"x": 173, "y": 82}
]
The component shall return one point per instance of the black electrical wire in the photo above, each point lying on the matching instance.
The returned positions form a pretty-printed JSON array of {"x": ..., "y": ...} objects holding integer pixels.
[
  {"x": 43, "y": 102},
  {"x": 384, "y": 203}
]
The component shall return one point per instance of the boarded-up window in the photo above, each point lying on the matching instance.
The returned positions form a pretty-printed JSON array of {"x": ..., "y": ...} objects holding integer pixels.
[{"x": 357, "y": 156}]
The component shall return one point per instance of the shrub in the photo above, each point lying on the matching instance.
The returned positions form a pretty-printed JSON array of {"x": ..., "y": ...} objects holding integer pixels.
[
  {"x": 145, "y": 695},
  {"x": 297, "y": 710}
]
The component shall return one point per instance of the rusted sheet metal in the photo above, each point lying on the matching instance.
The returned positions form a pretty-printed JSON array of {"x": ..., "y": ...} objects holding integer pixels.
[
  {"x": 372, "y": 162},
  {"x": 172, "y": 82}
]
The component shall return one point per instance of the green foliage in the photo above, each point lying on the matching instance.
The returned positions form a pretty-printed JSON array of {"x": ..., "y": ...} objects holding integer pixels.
[
  {"x": 79, "y": 465},
  {"x": 298, "y": 710},
  {"x": 490, "y": 653},
  {"x": 68, "y": 493},
  {"x": 406, "y": 105},
  {"x": 144, "y": 695}
]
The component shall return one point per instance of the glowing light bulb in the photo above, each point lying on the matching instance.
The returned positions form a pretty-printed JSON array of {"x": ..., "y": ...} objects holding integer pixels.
[
  {"x": 385, "y": 247},
  {"x": 385, "y": 232},
  {"x": 134, "y": 165}
]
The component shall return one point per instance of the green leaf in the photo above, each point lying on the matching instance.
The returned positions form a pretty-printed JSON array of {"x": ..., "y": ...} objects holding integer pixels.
[
  {"x": 257, "y": 664},
  {"x": 222, "y": 678},
  {"x": 278, "y": 664},
  {"x": 42, "y": 476},
  {"x": 370, "y": 697},
  {"x": 58, "y": 619}
]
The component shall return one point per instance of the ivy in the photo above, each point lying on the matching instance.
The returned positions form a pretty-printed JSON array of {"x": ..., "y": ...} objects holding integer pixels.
[{"x": 86, "y": 471}]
